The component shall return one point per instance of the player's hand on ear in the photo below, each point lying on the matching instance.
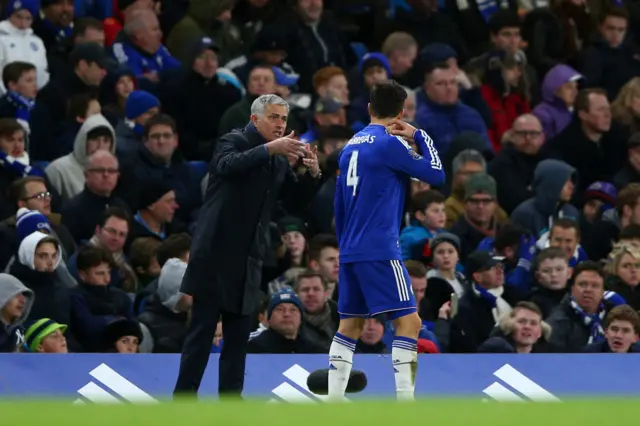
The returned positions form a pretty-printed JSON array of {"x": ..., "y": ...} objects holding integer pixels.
[{"x": 401, "y": 128}]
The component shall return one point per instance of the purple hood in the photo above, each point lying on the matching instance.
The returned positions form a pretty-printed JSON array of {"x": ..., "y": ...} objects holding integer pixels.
[{"x": 552, "y": 112}]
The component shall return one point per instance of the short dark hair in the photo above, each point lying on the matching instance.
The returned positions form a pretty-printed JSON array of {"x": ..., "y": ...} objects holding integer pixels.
[
  {"x": 90, "y": 257},
  {"x": 508, "y": 236},
  {"x": 565, "y": 223},
  {"x": 630, "y": 232},
  {"x": 628, "y": 196},
  {"x": 503, "y": 18},
  {"x": 415, "y": 268},
  {"x": 623, "y": 313},
  {"x": 588, "y": 266},
  {"x": 143, "y": 249},
  {"x": 582, "y": 102},
  {"x": 319, "y": 243},
  {"x": 12, "y": 72},
  {"x": 79, "y": 104},
  {"x": 114, "y": 211},
  {"x": 9, "y": 126},
  {"x": 327, "y": 133},
  {"x": 614, "y": 12},
  {"x": 387, "y": 99},
  {"x": 432, "y": 66},
  {"x": 549, "y": 253},
  {"x": 18, "y": 188},
  {"x": 423, "y": 199},
  {"x": 81, "y": 26},
  {"x": 159, "y": 119},
  {"x": 309, "y": 273},
  {"x": 176, "y": 245}
]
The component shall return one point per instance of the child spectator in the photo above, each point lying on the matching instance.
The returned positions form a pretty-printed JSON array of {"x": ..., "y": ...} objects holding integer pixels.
[
  {"x": 15, "y": 304},
  {"x": 19, "y": 43},
  {"x": 621, "y": 333},
  {"x": 445, "y": 254},
  {"x": 429, "y": 218},
  {"x": 552, "y": 273},
  {"x": 122, "y": 336},
  {"x": 46, "y": 336},
  {"x": 143, "y": 260},
  {"x": 374, "y": 68},
  {"x": 19, "y": 78}
]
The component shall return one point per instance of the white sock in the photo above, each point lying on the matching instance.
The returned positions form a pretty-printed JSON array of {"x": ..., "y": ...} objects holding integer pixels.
[
  {"x": 340, "y": 362},
  {"x": 404, "y": 353}
]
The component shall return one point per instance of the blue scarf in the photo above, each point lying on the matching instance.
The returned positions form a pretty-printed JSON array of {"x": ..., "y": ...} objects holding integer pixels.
[
  {"x": 484, "y": 294},
  {"x": 61, "y": 33},
  {"x": 137, "y": 129},
  {"x": 19, "y": 168},
  {"x": 593, "y": 322},
  {"x": 23, "y": 105}
]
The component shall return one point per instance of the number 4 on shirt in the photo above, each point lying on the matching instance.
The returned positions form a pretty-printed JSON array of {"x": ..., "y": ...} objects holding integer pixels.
[{"x": 352, "y": 172}]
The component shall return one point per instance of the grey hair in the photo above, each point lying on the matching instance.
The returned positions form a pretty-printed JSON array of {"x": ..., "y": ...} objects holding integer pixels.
[
  {"x": 468, "y": 156},
  {"x": 410, "y": 93},
  {"x": 136, "y": 20},
  {"x": 97, "y": 155},
  {"x": 257, "y": 107}
]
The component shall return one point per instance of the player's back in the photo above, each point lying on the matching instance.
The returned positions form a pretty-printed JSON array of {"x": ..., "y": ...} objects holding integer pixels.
[{"x": 370, "y": 197}]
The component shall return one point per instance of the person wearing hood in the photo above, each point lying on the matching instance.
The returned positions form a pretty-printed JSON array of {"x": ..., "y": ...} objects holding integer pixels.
[
  {"x": 514, "y": 166},
  {"x": 66, "y": 174},
  {"x": 139, "y": 107},
  {"x": 19, "y": 43},
  {"x": 114, "y": 92},
  {"x": 166, "y": 311},
  {"x": 505, "y": 89},
  {"x": 39, "y": 256},
  {"x": 559, "y": 91},
  {"x": 610, "y": 61},
  {"x": 204, "y": 18},
  {"x": 15, "y": 304},
  {"x": 198, "y": 100},
  {"x": 553, "y": 185},
  {"x": 521, "y": 331}
]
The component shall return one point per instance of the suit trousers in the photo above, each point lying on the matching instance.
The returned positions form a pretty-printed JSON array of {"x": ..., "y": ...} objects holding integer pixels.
[{"x": 197, "y": 349}]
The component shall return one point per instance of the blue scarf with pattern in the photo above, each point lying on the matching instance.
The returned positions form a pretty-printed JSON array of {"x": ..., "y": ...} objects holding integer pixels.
[{"x": 23, "y": 105}]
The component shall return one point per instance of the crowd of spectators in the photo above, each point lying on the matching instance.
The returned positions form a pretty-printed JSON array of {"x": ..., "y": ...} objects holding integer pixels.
[{"x": 110, "y": 112}]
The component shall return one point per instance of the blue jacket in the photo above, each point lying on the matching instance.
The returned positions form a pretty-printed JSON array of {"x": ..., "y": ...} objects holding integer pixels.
[
  {"x": 390, "y": 333},
  {"x": 444, "y": 122},
  {"x": 126, "y": 53},
  {"x": 412, "y": 235}
]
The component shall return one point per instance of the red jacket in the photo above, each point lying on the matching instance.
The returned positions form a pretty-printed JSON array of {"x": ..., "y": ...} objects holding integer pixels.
[
  {"x": 504, "y": 111},
  {"x": 112, "y": 26}
]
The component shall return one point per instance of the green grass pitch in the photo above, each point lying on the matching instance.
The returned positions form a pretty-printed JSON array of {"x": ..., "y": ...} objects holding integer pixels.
[{"x": 436, "y": 412}]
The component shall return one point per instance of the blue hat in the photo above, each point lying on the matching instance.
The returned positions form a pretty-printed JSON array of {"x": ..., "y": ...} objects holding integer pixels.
[
  {"x": 374, "y": 59},
  {"x": 30, "y": 221},
  {"x": 285, "y": 295},
  {"x": 33, "y": 6},
  {"x": 437, "y": 52},
  {"x": 285, "y": 79},
  {"x": 138, "y": 102}
]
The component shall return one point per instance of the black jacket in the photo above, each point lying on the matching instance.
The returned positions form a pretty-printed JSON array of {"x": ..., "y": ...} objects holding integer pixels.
[
  {"x": 83, "y": 212},
  {"x": 272, "y": 342},
  {"x": 231, "y": 240},
  {"x": 546, "y": 299},
  {"x": 168, "y": 328}
]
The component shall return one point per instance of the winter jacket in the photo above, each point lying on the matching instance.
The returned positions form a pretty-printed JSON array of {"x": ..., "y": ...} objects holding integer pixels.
[
  {"x": 504, "y": 111},
  {"x": 12, "y": 335},
  {"x": 25, "y": 46}
]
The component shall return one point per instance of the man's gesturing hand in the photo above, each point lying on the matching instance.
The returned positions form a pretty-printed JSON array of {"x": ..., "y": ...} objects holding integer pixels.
[
  {"x": 401, "y": 128},
  {"x": 287, "y": 146}
]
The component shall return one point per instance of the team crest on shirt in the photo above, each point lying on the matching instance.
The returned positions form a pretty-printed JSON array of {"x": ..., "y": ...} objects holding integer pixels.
[
  {"x": 34, "y": 46},
  {"x": 415, "y": 155}
]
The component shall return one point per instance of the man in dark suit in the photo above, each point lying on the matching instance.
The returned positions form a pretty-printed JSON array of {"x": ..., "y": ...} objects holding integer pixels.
[{"x": 228, "y": 248}]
